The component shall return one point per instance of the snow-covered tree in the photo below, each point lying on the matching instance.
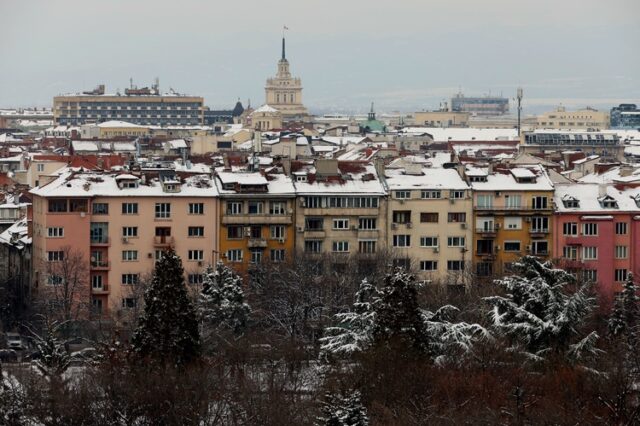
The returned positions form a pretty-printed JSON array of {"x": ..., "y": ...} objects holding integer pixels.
[
  {"x": 540, "y": 313},
  {"x": 625, "y": 317},
  {"x": 222, "y": 301},
  {"x": 168, "y": 327},
  {"x": 343, "y": 410},
  {"x": 392, "y": 314},
  {"x": 13, "y": 402},
  {"x": 354, "y": 331},
  {"x": 54, "y": 359}
]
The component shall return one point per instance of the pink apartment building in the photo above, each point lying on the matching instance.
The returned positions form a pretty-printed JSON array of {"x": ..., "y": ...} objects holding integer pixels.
[
  {"x": 597, "y": 229},
  {"x": 116, "y": 225}
]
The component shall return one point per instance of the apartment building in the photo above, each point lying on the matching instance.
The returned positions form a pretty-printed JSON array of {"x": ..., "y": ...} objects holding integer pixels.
[
  {"x": 256, "y": 218},
  {"x": 544, "y": 142},
  {"x": 430, "y": 212},
  {"x": 341, "y": 208},
  {"x": 117, "y": 225},
  {"x": 587, "y": 118},
  {"x": 513, "y": 215},
  {"x": 597, "y": 232}
]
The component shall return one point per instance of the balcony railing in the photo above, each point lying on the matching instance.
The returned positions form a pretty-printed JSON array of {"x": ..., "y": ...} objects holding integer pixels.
[
  {"x": 539, "y": 230},
  {"x": 163, "y": 241},
  {"x": 257, "y": 243},
  {"x": 100, "y": 265},
  {"x": 103, "y": 289},
  {"x": 100, "y": 241}
]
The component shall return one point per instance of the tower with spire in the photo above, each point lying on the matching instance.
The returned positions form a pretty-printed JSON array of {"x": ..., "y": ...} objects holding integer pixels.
[{"x": 284, "y": 92}]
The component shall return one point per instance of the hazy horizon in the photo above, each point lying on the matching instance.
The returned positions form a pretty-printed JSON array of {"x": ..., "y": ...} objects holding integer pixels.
[{"x": 407, "y": 56}]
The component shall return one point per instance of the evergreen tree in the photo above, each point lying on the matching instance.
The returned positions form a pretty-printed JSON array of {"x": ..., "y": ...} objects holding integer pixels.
[
  {"x": 13, "y": 403},
  {"x": 541, "y": 313},
  {"x": 343, "y": 410},
  {"x": 222, "y": 302},
  {"x": 168, "y": 327},
  {"x": 625, "y": 317}
]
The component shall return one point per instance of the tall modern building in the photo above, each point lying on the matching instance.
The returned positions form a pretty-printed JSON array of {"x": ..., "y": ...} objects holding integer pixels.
[
  {"x": 484, "y": 105},
  {"x": 625, "y": 116},
  {"x": 145, "y": 106},
  {"x": 284, "y": 92}
]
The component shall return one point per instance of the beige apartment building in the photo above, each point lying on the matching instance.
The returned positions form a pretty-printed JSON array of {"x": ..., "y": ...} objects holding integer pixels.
[
  {"x": 341, "y": 209},
  {"x": 430, "y": 215},
  {"x": 587, "y": 118},
  {"x": 115, "y": 226},
  {"x": 441, "y": 119}
]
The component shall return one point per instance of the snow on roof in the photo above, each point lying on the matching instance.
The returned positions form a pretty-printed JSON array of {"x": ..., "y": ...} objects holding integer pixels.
[
  {"x": 126, "y": 176},
  {"x": 614, "y": 174},
  {"x": 85, "y": 146},
  {"x": 118, "y": 123},
  {"x": 246, "y": 178},
  {"x": 504, "y": 180},
  {"x": 277, "y": 184},
  {"x": 177, "y": 144},
  {"x": 440, "y": 134},
  {"x": 590, "y": 199},
  {"x": 363, "y": 183},
  {"x": 522, "y": 173},
  {"x": 16, "y": 235},
  {"x": 343, "y": 140},
  {"x": 71, "y": 183},
  {"x": 265, "y": 108},
  {"x": 432, "y": 178}
]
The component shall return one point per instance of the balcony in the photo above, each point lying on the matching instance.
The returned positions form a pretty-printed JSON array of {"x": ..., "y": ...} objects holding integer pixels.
[
  {"x": 368, "y": 233},
  {"x": 257, "y": 243},
  {"x": 487, "y": 232},
  {"x": 255, "y": 219},
  {"x": 314, "y": 233},
  {"x": 100, "y": 241},
  {"x": 163, "y": 241},
  {"x": 100, "y": 265},
  {"x": 103, "y": 289},
  {"x": 538, "y": 232}
]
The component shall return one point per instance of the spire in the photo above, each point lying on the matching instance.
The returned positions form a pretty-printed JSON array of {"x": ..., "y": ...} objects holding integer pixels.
[
  {"x": 372, "y": 114},
  {"x": 283, "y": 55}
]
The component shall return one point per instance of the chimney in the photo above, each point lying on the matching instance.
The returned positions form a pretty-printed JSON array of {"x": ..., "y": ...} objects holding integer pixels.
[{"x": 602, "y": 190}]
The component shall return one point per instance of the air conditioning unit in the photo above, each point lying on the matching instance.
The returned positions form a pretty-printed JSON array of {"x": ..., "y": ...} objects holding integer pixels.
[
  {"x": 497, "y": 248},
  {"x": 497, "y": 227},
  {"x": 354, "y": 228},
  {"x": 401, "y": 201},
  {"x": 247, "y": 231},
  {"x": 498, "y": 193},
  {"x": 150, "y": 255},
  {"x": 281, "y": 240},
  {"x": 394, "y": 226},
  {"x": 528, "y": 248},
  {"x": 436, "y": 249},
  {"x": 125, "y": 240},
  {"x": 452, "y": 200},
  {"x": 303, "y": 202},
  {"x": 200, "y": 263},
  {"x": 463, "y": 225},
  {"x": 300, "y": 228},
  {"x": 409, "y": 225},
  {"x": 527, "y": 219}
]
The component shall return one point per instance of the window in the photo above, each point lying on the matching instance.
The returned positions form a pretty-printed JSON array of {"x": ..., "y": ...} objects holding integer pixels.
[
  {"x": 129, "y": 231},
  {"x": 428, "y": 241},
  {"x": 129, "y": 303},
  {"x": 196, "y": 208},
  {"x": 277, "y": 232},
  {"x": 367, "y": 223},
  {"x": 235, "y": 232},
  {"x": 195, "y": 255},
  {"x": 256, "y": 255},
  {"x": 455, "y": 241},
  {"x": 163, "y": 210},
  {"x": 55, "y": 256},
  {"x": 456, "y": 195},
  {"x": 539, "y": 224},
  {"x": 428, "y": 265},
  {"x": 234, "y": 255},
  {"x": 340, "y": 246},
  {"x": 255, "y": 231},
  {"x": 40, "y": 167},
  {"x": 129, "y": 255},
  {"x": 367, "y": 246},
  {"x": 312, "y": 246},
  {"x": 431, "y": 194},
  {"x": 570, "y": 252},
  {"x": 484, "y": 201},
  {"x": 401, "y": 216},
  {"x": 130, "y": 279},
  {"x": 195, "y": 279},
  {"x": 340, "y": 223},
  {"x": 621, "y": 228},
  {"x": 57, "y": 206},
  {"x": 570, "y": 228},
  {"x": 96, "y": 282},
  {"x": 457, "y": 217},
  {"x": 512, "y": 246},
  {"x": 455, "y": 265},
  {"x": 512, "y": 223},
  {"x": 590, "y": 229},
  {"x": 540, "y": 247},
  {"x": 79, "y": 206},
  {"x": 513, "y": 201},
  {"x": 429, "y": 217},
  {"x": 402, "y": 240},
  {"x": 403, "y": 195},
  {"x": 539, "y": 203},
  {"x": 256, "y": 207},
  {"x": 590, "y": 275},
  {"x": 277, "y": 255},
  {"x": 55, "y": 280},
  {"x": 234, "y": 207},
  {"x": 277, "y": 207},
  {"x": 100, "y": 208},
  {"x": 56, "y": 232},
  {"x": 621, "y": 252},
  {"x": 96, "y": 305},
  {"x": 313, "y": 223},
  {"x": 484, "y": 247},
  {"x": 485, "y": 224},
  {"x": 620, "y": 275},
  {"x": 129, "y": 208},
  {"x": 484, "y": 269},
  {"x": 196, "y": 231}
]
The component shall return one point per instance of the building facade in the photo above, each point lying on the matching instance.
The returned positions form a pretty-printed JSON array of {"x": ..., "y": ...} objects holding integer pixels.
[
  {"x": 625, "y": 116},
  {"x": 587, "y": 118},
  {"x": 483, "y": 105}
]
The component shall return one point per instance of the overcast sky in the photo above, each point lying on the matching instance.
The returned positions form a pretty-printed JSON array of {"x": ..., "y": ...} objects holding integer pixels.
[{"x": 404, "y": 54}]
